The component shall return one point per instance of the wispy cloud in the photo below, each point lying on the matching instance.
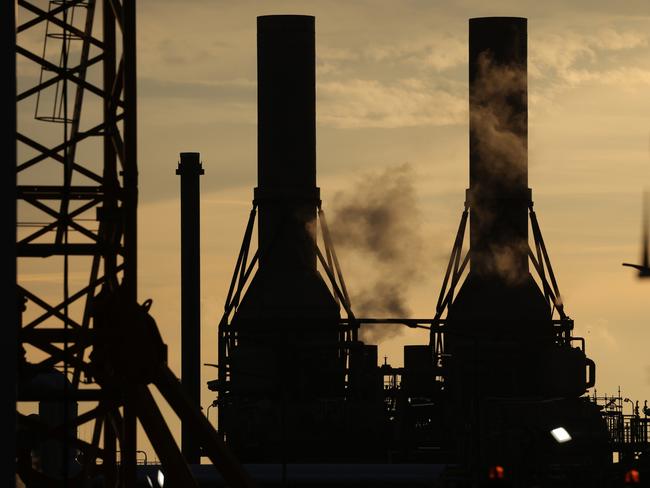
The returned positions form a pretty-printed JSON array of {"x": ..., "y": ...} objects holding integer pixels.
[
  {"x": 405, "y": 103},
  {"x": 571, "y": 58},
  {"x": 231, "y": 90},
  {"x": 439, "y": 52}
]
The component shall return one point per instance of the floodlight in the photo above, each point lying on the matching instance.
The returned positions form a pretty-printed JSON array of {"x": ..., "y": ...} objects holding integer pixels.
[
  {"x": 561, "y": 435},
  {"x": 161, "y": 479}
]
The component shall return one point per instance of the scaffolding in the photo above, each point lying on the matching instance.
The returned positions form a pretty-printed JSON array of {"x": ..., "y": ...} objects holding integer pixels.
[{"x": 628, "y": 424}]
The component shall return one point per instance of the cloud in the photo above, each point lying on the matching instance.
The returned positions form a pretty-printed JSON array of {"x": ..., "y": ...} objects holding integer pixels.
[
  {"x": 563, "y": 59},
  {"x": 362, "y": 103},
  {"x": 613, "y": 40},
  {"x": 571, "y": 58},
  {"x": 439, "y": 52},
  {"x": 619, "y": 77},
  {"x": 169, "y": 103},
  {"x": 453, "y": 54},
  {"x": 329, "y": 59},
  {"x": 229, "y": 90},
  {"x": 405, "y": 83},
  {"x": 435, "y": 52},
  {"x": 356, "y": 103}
]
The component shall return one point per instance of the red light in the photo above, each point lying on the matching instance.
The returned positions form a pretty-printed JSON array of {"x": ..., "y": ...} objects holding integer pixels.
[
  {"x": 632, "y": 477},
  {"x": 496, "y": 473}
]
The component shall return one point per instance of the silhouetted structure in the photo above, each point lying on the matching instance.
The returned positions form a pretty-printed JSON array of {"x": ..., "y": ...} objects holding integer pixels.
[
  {"x": 89, "y": 207},
  {"x": 295, "y": 383},
  {"x": 106, "y": 344},
  {"x": 512, "y": 372},
  {"x": 496, "y": 394},
  {"x": 286, "y": 361},
  {"x": 190, "y": 169},
  {"x": 502, "y": 369}
]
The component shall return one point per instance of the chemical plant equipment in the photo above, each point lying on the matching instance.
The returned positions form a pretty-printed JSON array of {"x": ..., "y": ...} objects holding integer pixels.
[{"x": 512, "y": 371}]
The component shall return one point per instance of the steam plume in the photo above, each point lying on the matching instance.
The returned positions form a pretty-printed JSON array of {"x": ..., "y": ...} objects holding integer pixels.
[
  {"x": 498, "y": 124},
  {"x": 499, "y": 128},
  {"x": 376, "y": 222}
]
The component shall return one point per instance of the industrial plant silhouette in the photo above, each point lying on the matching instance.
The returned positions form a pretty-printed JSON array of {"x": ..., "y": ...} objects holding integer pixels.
[{"x": 496, "y": 397}]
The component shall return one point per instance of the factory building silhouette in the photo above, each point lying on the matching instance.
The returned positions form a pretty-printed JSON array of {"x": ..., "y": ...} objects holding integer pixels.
[{"x": 502, "y": 369}]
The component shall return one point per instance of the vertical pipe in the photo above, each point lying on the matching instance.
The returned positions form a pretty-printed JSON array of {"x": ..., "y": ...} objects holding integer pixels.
[
  {"x": 10, "y": 304},
  {"x": 499, "y": 196},
  {"x": 286, "y": 95},
  {"x": 190, "y": 169}
]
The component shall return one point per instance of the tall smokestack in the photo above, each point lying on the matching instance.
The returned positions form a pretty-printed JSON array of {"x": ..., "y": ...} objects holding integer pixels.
[
  {"x": 498, "y": 195},
  {"x": 508, "y": 369},
  {"x": 286, "y": 359},
  {"x": 286, "y": 162},
  {"x": 501, "y": 318},
  {"x": 190, "y": 169}
]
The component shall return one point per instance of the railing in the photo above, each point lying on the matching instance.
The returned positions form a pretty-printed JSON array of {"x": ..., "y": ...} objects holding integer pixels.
[
  {"x": 141, "y": 458},
  {"x": 628, "y": 432}
]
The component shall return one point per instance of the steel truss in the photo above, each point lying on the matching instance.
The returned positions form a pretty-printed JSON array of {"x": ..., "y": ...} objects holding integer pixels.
[
  {"x": 458, "y": 261},
  {"x": 243, "y": 274},
  {"x": 350, "y": 325},
  {"x": 77, "y": 198}
]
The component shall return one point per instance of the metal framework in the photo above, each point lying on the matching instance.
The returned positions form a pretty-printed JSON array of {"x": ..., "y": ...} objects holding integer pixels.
[
  {"x": 242, "y": 276},
  {"x": 77, "y": 198},
  {"x": 539, "y": 258},
  {"x": 75, "y": 212},
  {"x": 629, "y": 432},
  {"x": 245, "y": 269}
]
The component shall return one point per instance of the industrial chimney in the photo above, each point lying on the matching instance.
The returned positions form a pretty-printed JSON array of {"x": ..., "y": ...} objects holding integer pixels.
[
  {"x": 287, "y": 360},
  {"x": 512, "y": 372},
  {"x": 499, "y": 302},
  {"x": 286, "y": 194}
]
